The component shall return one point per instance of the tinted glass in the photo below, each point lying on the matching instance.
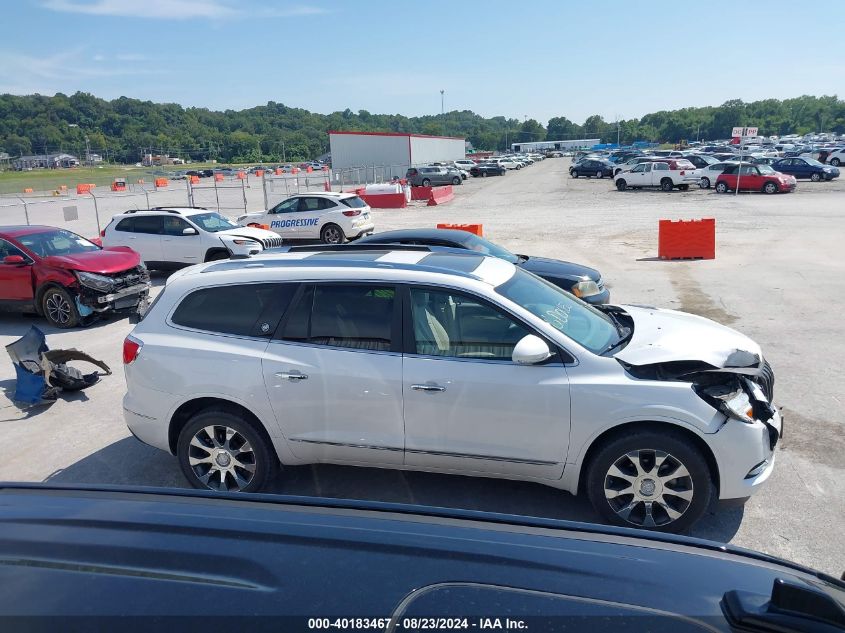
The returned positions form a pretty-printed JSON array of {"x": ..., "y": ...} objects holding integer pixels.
[
  {"x": 150, "y": 224},
  {"x": 351, "y": 316},
  {"x": 174, "y": 226},
  {"x": 354, "y": 202},
  {"x": 7, "y": 249},
  {"x": 286, "y": 207},
  {"x": 457, "y": 326},
  {"x": 127, "y": 225},
  {"x": 235, "y": 309},
  {"x": 310, "y": 204}
]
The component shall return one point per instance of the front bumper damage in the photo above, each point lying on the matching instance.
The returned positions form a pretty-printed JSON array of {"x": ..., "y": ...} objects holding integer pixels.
[
  {"x": 744, "y": 446},
  {"x": 129, "y": 293}
]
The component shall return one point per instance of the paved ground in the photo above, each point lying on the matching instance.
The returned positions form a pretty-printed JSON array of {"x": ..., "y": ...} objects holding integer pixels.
[{"x": 778, "y": 277}]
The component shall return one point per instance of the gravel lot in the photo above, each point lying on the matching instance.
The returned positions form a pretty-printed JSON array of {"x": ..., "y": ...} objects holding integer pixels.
[{"x": 778, "y": 276}]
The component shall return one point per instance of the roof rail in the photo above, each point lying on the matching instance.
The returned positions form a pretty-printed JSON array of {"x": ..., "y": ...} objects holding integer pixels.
[
  {"x": 341, "y": 248},
  {"x": 176, "y": 206}
]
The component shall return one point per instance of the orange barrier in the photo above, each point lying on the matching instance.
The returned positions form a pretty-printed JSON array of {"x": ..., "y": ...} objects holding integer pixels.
[
  {"x": 477, "y": 229},
  {"x": 241, "y": 175},
  {"x": 384, "y": 200},
  {"x": 278, "y": 171},
  {"x": 83, "y": 188},
  {"x": 309, "y": 169},
  {"x": 116, "y": 186},
  {"x": 294, "y": 170},
  {"x": 195, "y": 180},
  {"x": 28, "y": 190},
  {"x": 218, "y": 177},
  {"x": 259, "y": 173},
  {"x": 255, "y": 225},
  {"x": 161, "y": 182},
  {"x": 440, "y": 195},
  {"x": 420, "y": 193},
  {"x": 686, "y": 239}
]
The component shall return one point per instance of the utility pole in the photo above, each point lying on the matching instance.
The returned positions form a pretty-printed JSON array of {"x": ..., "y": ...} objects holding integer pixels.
[{"x": 442, "y": 108}]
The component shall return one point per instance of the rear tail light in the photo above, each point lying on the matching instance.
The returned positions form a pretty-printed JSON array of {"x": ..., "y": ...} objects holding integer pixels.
[
  {"x": 131, "y": 349},
  {"x": 103, "y": 233},
  {"x": 683, "y": 173},
  {"x": 352, "y": 214}
]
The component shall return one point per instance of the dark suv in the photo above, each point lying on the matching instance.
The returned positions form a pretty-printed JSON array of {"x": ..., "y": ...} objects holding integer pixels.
[{"x": 428, "y": 176}]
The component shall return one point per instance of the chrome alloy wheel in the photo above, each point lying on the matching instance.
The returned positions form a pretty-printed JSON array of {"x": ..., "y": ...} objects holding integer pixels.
[
  {"x": 648, "y": 488},
  {"x": 222, "y": 458}
]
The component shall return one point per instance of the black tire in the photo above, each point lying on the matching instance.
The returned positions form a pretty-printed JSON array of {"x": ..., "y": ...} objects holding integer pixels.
[
  {"x": 426, "y": 182},
  {"x": 59, "y": 308},
  {"x": 573, "y": 173},
  {"x": 599, "y": 174},
  {"x": 484, "y": 174},
  {"x": 332, "y": 234},
  {"x": 519, "y": 166},
  {"x": 666, "y": 184},
  {"x": 835, "y": 162},
  {"x": 704, "y": 183},
  {"x": 771, "y": 187},
  {"x": 216, "y": 256},
  {"x": 621, "y": 185},
  {"x": 646, "y": 444},
  {"x": 261, "y": 456},
  {"x": 683, "y": 187},
  {"x": 721, "y": 187},
  {"x": 456, "y": 180},
  {"x": 815, "y": 176}
]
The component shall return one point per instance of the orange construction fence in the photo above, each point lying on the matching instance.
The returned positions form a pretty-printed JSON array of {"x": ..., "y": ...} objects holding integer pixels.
[
  {"x": 686, "y": 239},
  {"x": 195, "y": 180},
  {"x": 477, "y": 229},
  {"x": 161, "y": 182},
  {"x": 218, "y": 177},
  {"x": 241, "y": 175},
  {"x": 85, "y": 187}
]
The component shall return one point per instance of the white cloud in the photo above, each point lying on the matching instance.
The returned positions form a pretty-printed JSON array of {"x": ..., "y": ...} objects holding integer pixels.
[
  {"x": 155, "y": 9},
  {"x": 177, "y": 9},
  {"x": 99, "y": 58}
]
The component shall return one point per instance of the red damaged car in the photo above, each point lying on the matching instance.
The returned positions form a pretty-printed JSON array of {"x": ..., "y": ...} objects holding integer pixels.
[
  {"x": 66, "y": 278},
  {"x": 754, "y": 178}
]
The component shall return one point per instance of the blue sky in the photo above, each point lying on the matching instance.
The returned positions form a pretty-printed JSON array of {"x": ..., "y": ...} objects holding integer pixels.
[{"x": 538, "y": 59}]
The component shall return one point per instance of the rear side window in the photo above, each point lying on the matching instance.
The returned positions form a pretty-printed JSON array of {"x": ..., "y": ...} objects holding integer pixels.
[
  {"x": 245, "y": 309},
  {"x": 126, "y": 224},
  {"x": 354, "y": 316},
  {"x": 354, "y": 202},
  {"x": 150, "y": 224}
]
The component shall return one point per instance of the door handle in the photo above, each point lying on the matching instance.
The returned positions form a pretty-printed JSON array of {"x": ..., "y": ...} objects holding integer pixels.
[
  {"x": 291, "y": 375},
  {"x": 432, "y": 388}
]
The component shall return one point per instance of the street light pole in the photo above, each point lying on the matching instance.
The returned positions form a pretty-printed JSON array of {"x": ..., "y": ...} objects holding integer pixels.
[{"x": 442, "y": 108}]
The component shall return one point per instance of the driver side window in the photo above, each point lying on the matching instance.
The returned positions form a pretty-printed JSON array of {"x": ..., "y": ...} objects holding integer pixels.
[
  {"x": 7, "y": 249},
  {"x": 458, "y": 326},
  {"x": 288, "y": 206}
]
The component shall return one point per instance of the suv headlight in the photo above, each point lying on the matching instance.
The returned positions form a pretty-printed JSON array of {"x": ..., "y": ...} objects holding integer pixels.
[
  {"x": 585, "y": 288},
  {"x": 243, "y": 241},
  {"x": 733, "y": 402},
  {"x": 97, "y": 282}
]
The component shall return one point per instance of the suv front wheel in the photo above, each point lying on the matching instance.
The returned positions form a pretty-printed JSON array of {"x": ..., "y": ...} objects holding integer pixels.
[
  {"x": 59, "y": 308},
  {"x": 644, "y": 479},
  {"x": 220, "y": 451}
]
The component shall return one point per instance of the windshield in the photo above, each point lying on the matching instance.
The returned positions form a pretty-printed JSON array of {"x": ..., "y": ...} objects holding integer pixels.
[
  {"x": 213, "y": 222},
  {"x": 813, "y": 162},
  {"x": 58, "y": 242},
  {"x": 480, "y": 245},
  {"x": 569, "y": 315},
  {"x": 766, "y": 169}
]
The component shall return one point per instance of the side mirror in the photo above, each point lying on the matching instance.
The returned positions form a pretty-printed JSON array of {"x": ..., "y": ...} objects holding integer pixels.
[
  {"x": 189, "y": 231},
  {"x": 13, "y": 260},
  {"x": 530, "y": 350}
]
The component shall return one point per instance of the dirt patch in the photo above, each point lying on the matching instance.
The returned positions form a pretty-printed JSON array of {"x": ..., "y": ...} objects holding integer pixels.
[
  {"x": 822, "y": 441},
  {"x": 693, "y": 298}
]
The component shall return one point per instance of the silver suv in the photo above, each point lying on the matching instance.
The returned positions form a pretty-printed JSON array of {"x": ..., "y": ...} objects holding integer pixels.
[
  {"x": 432, "y": 176},
  {"x": 438, "y": 360}
]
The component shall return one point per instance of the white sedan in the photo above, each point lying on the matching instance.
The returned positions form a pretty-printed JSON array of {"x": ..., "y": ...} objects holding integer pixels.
[
  {"x": 707, "y": 175},
  {"x": 331, "y": 217}
]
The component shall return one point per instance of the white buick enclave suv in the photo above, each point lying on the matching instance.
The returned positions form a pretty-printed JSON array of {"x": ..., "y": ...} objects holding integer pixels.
[{"x": 436, "y": 360}]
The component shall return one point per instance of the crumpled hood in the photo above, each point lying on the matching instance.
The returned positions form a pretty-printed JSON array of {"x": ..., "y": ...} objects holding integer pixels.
[
  {"x": 113, "y": 259},
  {"x": 250, "y": 232},
  {"x": 545, "y": 267},
  {"x": 662, "y": 336}
]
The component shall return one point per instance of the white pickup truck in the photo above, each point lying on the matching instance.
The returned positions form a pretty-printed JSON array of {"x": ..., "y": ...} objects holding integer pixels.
[{"x": 668, "y": 175}]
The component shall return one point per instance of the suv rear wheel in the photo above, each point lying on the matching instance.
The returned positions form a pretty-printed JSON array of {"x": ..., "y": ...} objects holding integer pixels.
[
  {"x": 666, "y": 184},
  {"x": 650, "y": 480},
  {"x": 456, "y": 180},
  {"x": 332, "y": 234},
  {"x": 426, "y": 182},
  {"x": 221, "y": 451}
]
